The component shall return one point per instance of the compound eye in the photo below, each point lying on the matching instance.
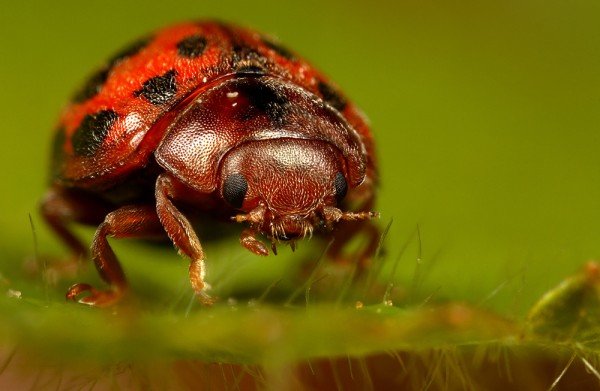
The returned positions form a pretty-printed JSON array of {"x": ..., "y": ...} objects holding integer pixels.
[
  {"x": 234, "y": 190},
  {"x": 341, "y": 186}
]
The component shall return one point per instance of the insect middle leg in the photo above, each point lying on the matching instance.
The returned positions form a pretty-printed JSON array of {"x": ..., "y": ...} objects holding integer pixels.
[{"x": 125, "y": 222}]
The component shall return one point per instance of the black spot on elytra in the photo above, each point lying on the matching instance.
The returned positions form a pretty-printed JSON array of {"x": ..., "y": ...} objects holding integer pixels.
[
  {"x": 192, "y": 46},
  {"x": 58, "y": 151},
  {"x": 264, "y": 99},
  {"x": 245, "y": 59},
  {"x": 90, "y": 134},
  {"x": 332, "y": 96},
  {"x": 129, "y": 51},
  {"x": 252, "y": 69},
  {"x": 241, "y": 52},
  {"x": 278, "y": 48},
  {"x": 159, "y": 89},
  {"x": 96, "y": 81},
  {"x": 92, "y": 86}
]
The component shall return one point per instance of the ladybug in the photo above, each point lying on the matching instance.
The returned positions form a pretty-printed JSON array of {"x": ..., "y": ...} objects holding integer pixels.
[{"x": 217, "y": 119}]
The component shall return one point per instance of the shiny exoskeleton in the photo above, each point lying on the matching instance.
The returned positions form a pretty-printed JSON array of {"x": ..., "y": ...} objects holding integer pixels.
[{"x": 219, "y": 118}]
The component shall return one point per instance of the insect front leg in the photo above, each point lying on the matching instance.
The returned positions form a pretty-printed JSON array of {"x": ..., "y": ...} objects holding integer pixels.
[
  {"x": 182, "y": 235},
  {"x": 125, "y": 222}
]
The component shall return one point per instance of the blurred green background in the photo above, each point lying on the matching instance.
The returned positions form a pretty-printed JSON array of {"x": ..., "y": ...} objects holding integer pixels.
[{"x": 486, "y": 117}]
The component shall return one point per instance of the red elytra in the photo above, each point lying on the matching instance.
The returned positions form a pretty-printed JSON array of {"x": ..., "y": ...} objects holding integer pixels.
[{"x": 219, "y": 118}]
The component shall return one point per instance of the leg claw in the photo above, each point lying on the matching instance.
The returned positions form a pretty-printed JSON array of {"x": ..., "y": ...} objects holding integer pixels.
[
  {"x": 92, "y": 296},
  {"x": 205, "y": 299}
]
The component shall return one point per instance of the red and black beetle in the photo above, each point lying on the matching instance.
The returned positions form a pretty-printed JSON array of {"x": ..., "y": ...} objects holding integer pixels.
[{"x": 214, "y": 116}]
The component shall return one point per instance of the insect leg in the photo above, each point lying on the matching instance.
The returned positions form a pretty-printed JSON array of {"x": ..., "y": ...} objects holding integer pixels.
[
  {"x": 182, "y": 234},
  {"x": 125, "y": 222},
  {"x": 59, "y": 208}
]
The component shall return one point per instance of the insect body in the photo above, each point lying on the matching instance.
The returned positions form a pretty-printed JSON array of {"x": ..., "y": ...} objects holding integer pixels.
[{"x": 213, "y": 116}]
